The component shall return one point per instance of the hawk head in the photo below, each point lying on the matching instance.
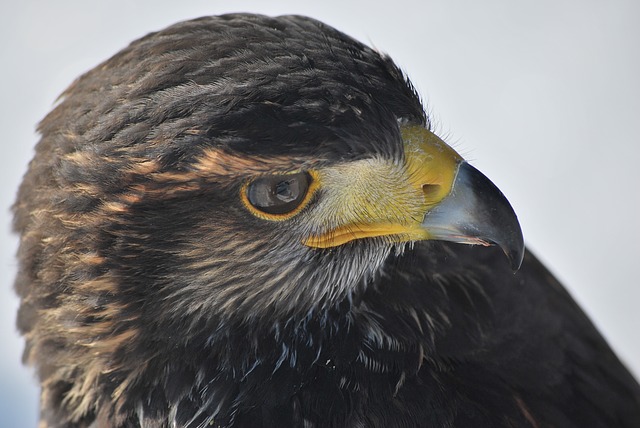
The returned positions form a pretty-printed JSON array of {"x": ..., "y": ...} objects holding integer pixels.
[{"x": 212, "y": 203}]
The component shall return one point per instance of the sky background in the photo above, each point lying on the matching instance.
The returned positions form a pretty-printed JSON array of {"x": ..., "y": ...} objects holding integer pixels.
[{"x": 542, "y": 96}]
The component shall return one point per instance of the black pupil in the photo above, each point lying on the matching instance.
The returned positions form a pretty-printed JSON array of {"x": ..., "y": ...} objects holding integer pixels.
[
  {"x": 278, "y": 194},
  {"x": 287, "y": 190}
]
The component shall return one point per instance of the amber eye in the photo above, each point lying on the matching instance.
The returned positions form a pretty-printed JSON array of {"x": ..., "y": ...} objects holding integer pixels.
[{"x": 278, "y": 194}]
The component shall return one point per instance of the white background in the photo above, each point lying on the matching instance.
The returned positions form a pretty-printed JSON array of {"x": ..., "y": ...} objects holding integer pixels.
[{"x": 543, "y": 96}]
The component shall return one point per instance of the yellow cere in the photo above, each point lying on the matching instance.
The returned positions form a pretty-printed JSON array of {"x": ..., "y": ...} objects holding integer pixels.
[{"x": 431, "y": 163}]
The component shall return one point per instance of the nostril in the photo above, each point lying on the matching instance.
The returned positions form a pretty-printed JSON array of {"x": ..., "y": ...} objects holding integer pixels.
[{"x": 430, "y": 190}]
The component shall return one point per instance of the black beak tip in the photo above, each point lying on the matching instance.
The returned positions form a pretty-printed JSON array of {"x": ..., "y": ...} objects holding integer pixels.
[
  {"x": 511, "y": 241},
  {"x": 514, "y": 248},
  {"x": 494, "y": 211},
  {"x": 515, "y": 256}
]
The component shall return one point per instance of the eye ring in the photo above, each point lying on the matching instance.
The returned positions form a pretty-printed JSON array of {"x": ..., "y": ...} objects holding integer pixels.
[{"x": 279, "y": 196}]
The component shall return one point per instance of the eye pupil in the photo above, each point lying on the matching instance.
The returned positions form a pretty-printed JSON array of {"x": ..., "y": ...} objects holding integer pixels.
[
  {"x": 278, "y": 194},
  {"x": 284, "y": 191}
]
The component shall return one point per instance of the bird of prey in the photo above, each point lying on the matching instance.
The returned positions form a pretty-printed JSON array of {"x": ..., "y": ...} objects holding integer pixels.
[{"x": 246, "y": 221}]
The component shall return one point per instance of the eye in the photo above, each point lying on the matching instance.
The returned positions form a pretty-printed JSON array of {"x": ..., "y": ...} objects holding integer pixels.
[{"x": 278, "y": 196}]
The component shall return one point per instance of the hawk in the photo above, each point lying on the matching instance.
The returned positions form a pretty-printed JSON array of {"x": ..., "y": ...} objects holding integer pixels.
[{"x": 247, "y": 221}]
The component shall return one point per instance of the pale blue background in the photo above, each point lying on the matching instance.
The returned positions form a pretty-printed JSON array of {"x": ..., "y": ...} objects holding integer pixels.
[{"x": 543, "y": 96}]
